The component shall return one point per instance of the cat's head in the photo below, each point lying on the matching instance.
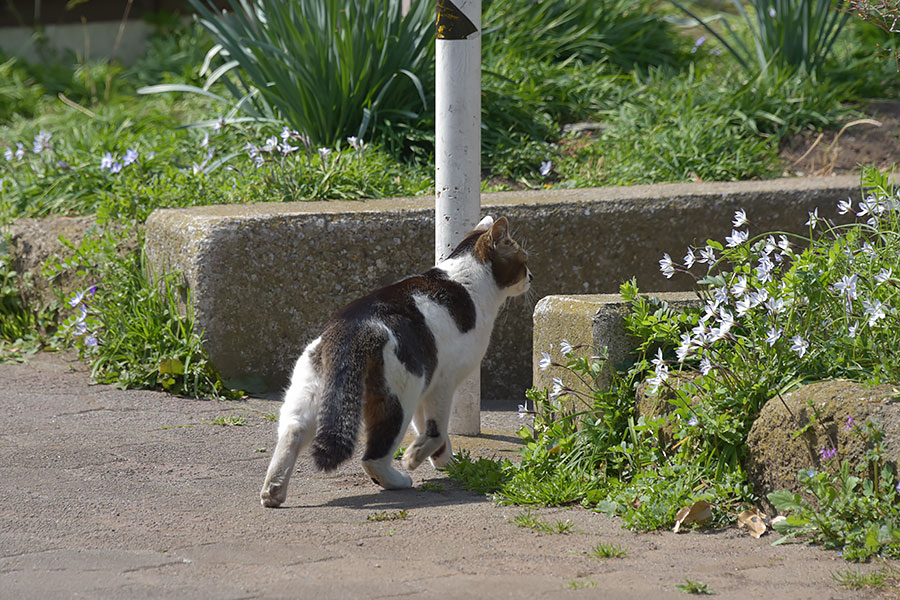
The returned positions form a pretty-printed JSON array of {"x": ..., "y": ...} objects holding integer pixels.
[{"x": 494, "y": 246}]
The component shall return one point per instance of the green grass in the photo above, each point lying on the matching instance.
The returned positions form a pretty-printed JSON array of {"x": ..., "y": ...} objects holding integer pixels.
[
  {"x": 229, "y": 420},
  {"x": 605, "y": 551},
  {"x": 432, "y": 486},
  {"x": 531, "y": 521},
  {"x": 695, "y": 587},
  {"x": 395, "y": 515},
  {"x": 854, "y": 579}
]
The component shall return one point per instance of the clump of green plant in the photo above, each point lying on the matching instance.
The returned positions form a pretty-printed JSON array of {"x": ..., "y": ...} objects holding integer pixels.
[
  {"x": 24, "y": 327},
  {"x": 481, "y": 475},
  {"x": 531, "y": 521},
  {"x": 121, "y": 169},
  {"x": 135, "y": 330},
  {"x": 395, "y": 515},
  {"x": 229, "y": 420},
  {"x": 777, "y": 310},
  {"x": 856, "y": 514},
  {"x": 791, "y": 34},
  {"x": 330, "y": 69},
  {"x": 884, "y": 578},
  {"x": 604, "y": 551},
  {"x": 432, "y": 486},
  {"x": 695, "y": 587}
]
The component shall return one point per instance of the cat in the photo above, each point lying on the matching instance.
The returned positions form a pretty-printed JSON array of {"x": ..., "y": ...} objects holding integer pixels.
[{"x": 394, "y": 356}]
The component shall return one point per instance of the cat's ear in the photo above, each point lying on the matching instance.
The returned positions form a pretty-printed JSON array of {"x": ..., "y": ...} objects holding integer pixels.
[
  {"x": 484, "y": 224},
  {"x": 499, "y": 230}
]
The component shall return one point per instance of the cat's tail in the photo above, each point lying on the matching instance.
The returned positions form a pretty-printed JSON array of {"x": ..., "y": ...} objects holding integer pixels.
[{"x": 340, "y": 408}]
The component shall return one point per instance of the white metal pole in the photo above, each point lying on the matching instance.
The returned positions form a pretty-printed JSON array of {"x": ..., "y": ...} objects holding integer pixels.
[{"x": 457, "y": 161}]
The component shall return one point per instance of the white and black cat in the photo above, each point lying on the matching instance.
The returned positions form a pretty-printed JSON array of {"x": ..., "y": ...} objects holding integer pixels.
[{"x": 397, "y": 355}]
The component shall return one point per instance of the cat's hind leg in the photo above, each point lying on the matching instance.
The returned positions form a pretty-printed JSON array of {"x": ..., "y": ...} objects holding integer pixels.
[
  {"x": 433, "y": 441},
  {"x": 296, "y": 428},
  {"x": 386, "y": 422}
]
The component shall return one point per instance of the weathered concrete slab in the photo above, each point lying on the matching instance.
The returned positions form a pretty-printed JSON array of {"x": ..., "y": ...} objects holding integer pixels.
[
  {"x": 264, "y": 277},
  {"x": 591, "y": 320}
]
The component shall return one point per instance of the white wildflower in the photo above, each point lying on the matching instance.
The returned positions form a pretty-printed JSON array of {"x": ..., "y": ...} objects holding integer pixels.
[
  {"x": 799, "y": 345},
  {"x": 884, "y": 275},
  {"x": 736, "y": 238},
  {"x": 545, "y": 361},
  {"x": 813, "y": 218},
  {"x": 739, "y": 288},
  {"x": 846, "y": 286},
  {"x": 874, "y": 310},
  {"x": 666, "y": 267},
  {"x": 740, "y": 218},
  {"x": 773, "y": 335}
]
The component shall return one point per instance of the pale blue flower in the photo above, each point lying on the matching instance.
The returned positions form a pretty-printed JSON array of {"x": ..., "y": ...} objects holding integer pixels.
[
  {"x": 689, "y": 258},
  {"x": 8, "y": 154},
  {"x": 41, "y": 141},
  {"x": 740, "y": 218},
  {"x": 700, "y": 41},
  {"x": 845, "y": 206},
  {"x": 546, "y": 167},
  {"x": 884, "y": 275},
  {"x": 773, "y": 335},
  {"x": 20, "y": 151},
  {"x": 130, "y": 157},
  {"x": 107, "y": 161},
  {"x": 565, "y": 347}
]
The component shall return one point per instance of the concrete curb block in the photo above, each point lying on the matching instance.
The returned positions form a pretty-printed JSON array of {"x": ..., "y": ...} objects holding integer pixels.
[
  {"x": 265, "y": 277},
  {"x": 592, "y": 320}
]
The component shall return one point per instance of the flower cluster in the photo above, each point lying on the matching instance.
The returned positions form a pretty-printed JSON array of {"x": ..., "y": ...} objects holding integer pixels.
[
  {"x": 80, "y": 325},
  {"x": 40, "y": 143},
  {"x": 111, "y": 162},
  {"x": 787, "y": 294},
  {"x": 289, "y": 142}
]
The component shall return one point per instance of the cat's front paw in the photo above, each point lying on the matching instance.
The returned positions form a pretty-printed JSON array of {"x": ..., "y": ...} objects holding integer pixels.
[{"x": 272, "y": 495}]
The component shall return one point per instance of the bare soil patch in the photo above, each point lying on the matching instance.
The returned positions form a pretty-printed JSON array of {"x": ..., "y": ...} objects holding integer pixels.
[{"x": 872, "y": 140}]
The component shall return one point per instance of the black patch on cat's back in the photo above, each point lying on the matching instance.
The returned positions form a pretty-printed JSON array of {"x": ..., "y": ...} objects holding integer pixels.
[{"x": 395, "y": 307}]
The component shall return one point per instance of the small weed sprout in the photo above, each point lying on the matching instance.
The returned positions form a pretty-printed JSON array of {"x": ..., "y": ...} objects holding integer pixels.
[
  {"x": 432, "y": 486},
  {"x": 396, "y": 515},
  {"x": 604, "y": 551},
  {"x": 695, "y": 587},
  {"x": 854, "y": 579},
  {"x": 230, "y": 420}
]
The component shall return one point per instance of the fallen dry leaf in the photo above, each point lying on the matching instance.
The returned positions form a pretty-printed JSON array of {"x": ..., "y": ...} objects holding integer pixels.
[
  {"x": 699, "y": 512},
  {"x": 754, "y": 521}
]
